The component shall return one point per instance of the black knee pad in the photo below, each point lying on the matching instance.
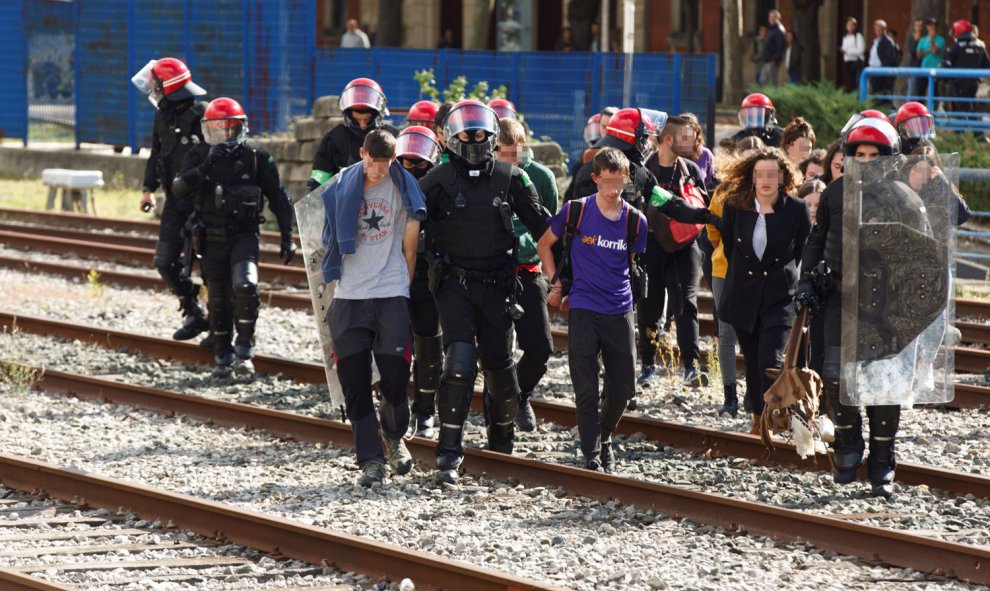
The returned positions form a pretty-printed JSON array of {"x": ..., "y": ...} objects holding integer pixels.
[
  {"x": 884, "y": 421},
  {"x": 245, "y": 281},
  {"x": 221, "y": 312},
  {"x": 503, "y": 392},
  {"x": 429, "y": 360},
  {"x": 457, "y": 384}
]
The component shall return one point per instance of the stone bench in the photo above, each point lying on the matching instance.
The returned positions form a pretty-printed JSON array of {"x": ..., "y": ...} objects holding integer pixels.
[{"x": 77, "y": 188}]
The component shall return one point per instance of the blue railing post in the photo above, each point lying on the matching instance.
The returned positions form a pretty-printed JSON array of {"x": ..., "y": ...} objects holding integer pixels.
[
  {"x": 131, "y": 67},
  {"x": 930, "y": 98},
  {"x": 678, "y": 82}
]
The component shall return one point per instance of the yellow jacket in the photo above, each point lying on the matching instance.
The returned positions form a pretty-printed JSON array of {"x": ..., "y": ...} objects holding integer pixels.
[{"x": 719, "y": 264}]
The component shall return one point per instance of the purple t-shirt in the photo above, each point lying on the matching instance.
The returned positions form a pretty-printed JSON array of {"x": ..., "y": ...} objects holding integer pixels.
[{"x": 599, "y": 261}]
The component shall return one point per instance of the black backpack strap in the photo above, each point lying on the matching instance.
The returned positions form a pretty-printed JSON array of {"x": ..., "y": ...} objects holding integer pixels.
[
  {"x": 632, "y": 228},
  {"x": 572, "y": 221}
]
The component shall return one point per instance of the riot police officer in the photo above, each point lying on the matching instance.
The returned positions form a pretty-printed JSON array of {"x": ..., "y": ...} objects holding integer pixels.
[
  {"x": 423, "y": 113},
  {"x": 470, "y": 201},
  {"x": 757, "y": 116},
  {"x": 418, "y": 151},
  {"x": 966, "y": 53},
  {"x": 169, "y": 86},
  {"x": 364, "y": 108},
  {"x": 914, "y": 123},
  {"x": 872, "y": 142},
  {"x": 227, "y": 180}
]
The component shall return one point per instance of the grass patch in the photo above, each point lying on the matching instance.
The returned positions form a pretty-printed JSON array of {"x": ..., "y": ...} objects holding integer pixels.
[{"x": 110, "y": 201}]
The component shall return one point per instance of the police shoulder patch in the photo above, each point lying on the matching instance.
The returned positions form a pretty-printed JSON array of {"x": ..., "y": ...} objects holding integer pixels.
[
  {"x": 659, "y": 197},
  {"x": 525, "y": 178}
]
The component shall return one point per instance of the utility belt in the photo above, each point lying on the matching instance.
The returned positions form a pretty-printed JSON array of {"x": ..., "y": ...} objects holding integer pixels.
[
  {"x": 224, "y": 232},
  {"x": 502, "y": 277}
]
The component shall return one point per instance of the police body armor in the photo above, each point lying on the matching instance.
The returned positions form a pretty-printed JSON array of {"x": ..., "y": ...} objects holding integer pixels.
[
  {"x": 232, "y": 198},
  {"x": 469, "y": 224},
  {"x": 176, "y": 137}
]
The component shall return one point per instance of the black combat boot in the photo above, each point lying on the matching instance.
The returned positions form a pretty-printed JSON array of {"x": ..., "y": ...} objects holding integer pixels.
[
  {"x": 194, "y": 318},
  {"x": 731, "y": 404}
]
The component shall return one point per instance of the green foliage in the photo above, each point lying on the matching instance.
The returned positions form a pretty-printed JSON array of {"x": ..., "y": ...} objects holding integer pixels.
[
  {"x": 458, "y": 88},
  {"x": 826, "y": 107},
  {"x": 973, "y": 153}
]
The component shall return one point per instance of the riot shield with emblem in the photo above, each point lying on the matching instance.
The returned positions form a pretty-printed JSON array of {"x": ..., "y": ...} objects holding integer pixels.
[
  {"x": 897, "y": 315},
  {"x": 311, "y": 217}
]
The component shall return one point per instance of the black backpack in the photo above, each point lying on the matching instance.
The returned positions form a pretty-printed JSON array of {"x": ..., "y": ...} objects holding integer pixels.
[{"x": 575, "y": 211}]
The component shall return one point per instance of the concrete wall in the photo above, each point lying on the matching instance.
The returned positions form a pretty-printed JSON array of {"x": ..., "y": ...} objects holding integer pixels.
[{"x": 117, "y": 169}]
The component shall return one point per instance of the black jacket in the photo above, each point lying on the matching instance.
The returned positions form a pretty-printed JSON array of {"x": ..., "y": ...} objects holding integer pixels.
[
  {"x": 887, "y": 52},
  {"x": 177, "y": 128},
  {"x": 338, "y": 148},
  {"x": 771, "y": 137},
  {"x": 775, "y": 44},
  {"x": 762, "y": 289}
]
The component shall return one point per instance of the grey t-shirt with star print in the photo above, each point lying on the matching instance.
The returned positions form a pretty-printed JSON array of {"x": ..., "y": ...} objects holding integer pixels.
[{"x": 377, "y": 268}]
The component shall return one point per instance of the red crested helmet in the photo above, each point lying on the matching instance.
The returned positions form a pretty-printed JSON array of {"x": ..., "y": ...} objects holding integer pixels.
[
  {"x": 961, "y": 27},
  {"x": 418, "y": 141},
  {"x": 423, "y": 113},
  {"x": 632, "y": 127},
  {"x": 166, "y": 78},
  {"x": 593, "y": 129},
  {"x": 875, "y": 114},
  {"x": 363, "y": 95},
  {"x": 914, "y": 121},
  {"x": 224, "y": 121},
  {"x": 876, "y": 132},
  {"x": 471, "y": 116},
  {"x": 503, "y": 108},
  {"x": 757, "y": 112}
]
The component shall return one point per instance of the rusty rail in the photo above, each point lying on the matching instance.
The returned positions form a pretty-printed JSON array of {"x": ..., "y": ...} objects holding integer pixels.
[
  {"x": 11, "y": 580},
  {"x": 76, "y": 220},
  {"x": 130, "y": 255},
  {"x": 870, "y": 543},
  {"x": 277, "y": 299}
]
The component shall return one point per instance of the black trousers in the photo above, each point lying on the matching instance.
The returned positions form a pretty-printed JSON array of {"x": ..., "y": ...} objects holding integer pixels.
[
  {"x": 168, "y": 250},
  {"x": 611, "y": 336},
  {"x": 674, "y": 276},
  {"x": 425, "y": 323},
  {"x": 474, "y": 312},
  {"x": 763, "y": 348},
  {"x": 533, "y": 331},
  {"x": 221, "y": 259}
]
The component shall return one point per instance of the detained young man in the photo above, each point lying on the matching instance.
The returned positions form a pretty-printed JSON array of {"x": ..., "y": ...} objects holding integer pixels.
[
  {"x": 373, "y": 209},
  {"x": 600, "y": 304}
]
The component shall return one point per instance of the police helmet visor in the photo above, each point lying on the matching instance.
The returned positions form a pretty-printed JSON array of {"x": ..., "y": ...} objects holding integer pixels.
[
  {"x": 653, "y": 121},
  {"x": 417, "y": 145},
  {"x": 145, "y": 82},
  {"x": 219, "y": 131},
  {"x": 363, "y": 97},
  {"x": 504, "y": 111},
  {"x": 918, "y": 127},
  {"x": 470, "y": 118},
  {"x": 592, "y": 132},
  {"x": 753, "y": 117}
]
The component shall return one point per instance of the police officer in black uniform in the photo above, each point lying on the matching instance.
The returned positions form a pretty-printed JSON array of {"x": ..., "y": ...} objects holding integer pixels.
[
  {"x": 418, "y": 151},
  {"x": 757, "y": 117},
  {"x": 227, "y": 179},
  {"x": 470, "y": 201},
  {"x": 168, "y": 84},
  {"x": 967, "y": 53},
  {"x": 364, "y": 108}
]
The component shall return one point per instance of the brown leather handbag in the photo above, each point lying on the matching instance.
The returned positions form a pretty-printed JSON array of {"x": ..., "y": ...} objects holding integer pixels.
[{"x": 796, "y": 391}]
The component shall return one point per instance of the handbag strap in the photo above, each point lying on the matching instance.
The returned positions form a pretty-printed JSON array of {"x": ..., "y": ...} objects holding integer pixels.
[{"x": 794, "y": 341}]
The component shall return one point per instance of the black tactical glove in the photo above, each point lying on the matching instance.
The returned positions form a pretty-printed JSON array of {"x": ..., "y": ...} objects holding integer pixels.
[
  {"x": 712, "y": 219},
  {"x": 288, "y": 249},
  {"x": 217, "y": 153},
  {"x": 806, "y": 296}
]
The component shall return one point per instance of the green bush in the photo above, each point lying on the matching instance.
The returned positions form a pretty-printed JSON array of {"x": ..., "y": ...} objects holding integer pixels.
[
  {"x": 973, "y": 153},
  {"x": 826, "y": 107}
]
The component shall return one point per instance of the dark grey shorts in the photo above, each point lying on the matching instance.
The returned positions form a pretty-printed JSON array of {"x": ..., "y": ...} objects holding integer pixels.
[{"x": 378, "y": 324}]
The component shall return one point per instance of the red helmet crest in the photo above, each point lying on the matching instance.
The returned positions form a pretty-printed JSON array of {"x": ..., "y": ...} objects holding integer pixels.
[
  {"x": 224, "y": 121},
  {"x": 423, "y": 113},
  {"x": 961, "y": 27},
  {"x": 503, "y": 108}
]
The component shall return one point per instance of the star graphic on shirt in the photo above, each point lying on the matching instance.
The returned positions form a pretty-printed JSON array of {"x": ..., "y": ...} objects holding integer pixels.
[{"x": 373, "y": 220}]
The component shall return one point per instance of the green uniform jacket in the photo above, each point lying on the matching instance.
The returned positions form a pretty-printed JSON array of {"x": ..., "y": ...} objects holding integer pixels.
[{"x": 546, "y": 188}]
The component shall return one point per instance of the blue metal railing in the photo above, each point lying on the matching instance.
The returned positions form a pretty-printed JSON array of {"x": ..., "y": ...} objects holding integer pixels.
[{"x": 975, "y": 117}]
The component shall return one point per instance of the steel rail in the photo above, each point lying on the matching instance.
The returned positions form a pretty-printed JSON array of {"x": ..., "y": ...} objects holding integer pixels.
[
  {"x": 868, "y": 542},
  {"x": 273, "y": 535},
  {"x": 76, "y": 220},
  {"x": 130, "y": 255},
  {"x": 702, "y": 440},
  {"x": 277, "y": 299},
  {"x": 11, "y": 580},
  {"x": 967, "y": 396},
  {"x": 149, "y": 242}
]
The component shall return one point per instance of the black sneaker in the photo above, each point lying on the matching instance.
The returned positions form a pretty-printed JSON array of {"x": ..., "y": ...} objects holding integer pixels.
[
  {"x": 695, "y": 378},
  {"x": 608, "y": 457},
  {"x": 525, "y": 417}
]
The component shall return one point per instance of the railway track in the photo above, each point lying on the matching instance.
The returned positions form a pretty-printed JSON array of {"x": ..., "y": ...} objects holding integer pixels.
[
  {"x": 871, "y": 543},
  {"x": 72, "y": 545},
  {"x": 274, "y": 536},
  {"x": 75, "y": 220},
  {"x": 266, "y": 255},
  {"x": 966, "y": 395},
  {"x": 269, "y": 273}
]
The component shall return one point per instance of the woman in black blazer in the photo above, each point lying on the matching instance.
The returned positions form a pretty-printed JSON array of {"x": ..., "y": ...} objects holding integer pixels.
[{"x": 763, "y": 232}]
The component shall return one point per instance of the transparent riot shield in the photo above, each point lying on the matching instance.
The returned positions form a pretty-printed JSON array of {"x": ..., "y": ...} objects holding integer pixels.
[
  {"x": 310, "y": 216},
  {"x": 897, "y": 316}
]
